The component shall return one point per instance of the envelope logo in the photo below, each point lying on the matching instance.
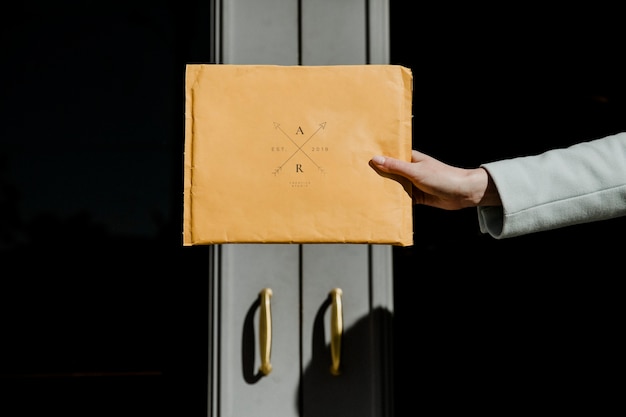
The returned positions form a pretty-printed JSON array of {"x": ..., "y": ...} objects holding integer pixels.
[{"x": 299, "y": 148}]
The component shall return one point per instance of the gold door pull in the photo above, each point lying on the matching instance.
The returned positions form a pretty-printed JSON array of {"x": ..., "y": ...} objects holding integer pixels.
[
  {"x": 265, "y": 330},
  {"x": 336, "y": 329}
]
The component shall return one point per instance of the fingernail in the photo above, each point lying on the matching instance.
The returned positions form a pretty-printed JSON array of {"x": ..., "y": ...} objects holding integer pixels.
[{"x": 380, "y": 160}]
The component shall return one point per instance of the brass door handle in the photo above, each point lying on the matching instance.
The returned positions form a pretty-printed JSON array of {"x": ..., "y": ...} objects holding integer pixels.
[
  {"x": 336, "y": 329},
  {"x": 265, "y": 330}
]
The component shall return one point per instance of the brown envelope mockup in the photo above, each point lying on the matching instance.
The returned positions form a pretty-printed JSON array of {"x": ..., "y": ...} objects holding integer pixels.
[{"x": 280, "y": 154}]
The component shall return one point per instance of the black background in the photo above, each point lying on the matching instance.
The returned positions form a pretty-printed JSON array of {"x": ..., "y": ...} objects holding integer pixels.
[
  {"x": 102, "y": 312},
  {"x": 527, "y": 324}
]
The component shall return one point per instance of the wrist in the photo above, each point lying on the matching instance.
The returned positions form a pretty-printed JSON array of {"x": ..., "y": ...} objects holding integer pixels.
[{"x": 486, "y": 191}]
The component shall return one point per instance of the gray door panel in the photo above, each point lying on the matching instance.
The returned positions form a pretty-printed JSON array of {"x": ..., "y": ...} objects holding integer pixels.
[{"x": 246, "y": 269}]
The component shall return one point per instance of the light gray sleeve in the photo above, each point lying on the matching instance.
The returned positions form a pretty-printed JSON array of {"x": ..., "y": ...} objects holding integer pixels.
[{"x": 583, "y": 183}]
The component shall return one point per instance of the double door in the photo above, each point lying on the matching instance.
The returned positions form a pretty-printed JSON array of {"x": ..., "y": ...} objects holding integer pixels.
[{"x": 300, "y": 330}]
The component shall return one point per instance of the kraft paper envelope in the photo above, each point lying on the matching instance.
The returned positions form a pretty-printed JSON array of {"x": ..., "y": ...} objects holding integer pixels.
[{"x": 280, "y": 154}]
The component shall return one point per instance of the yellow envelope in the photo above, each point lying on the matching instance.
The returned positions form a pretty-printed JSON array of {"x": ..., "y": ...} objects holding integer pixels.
[{"x": 280, "y": 154}]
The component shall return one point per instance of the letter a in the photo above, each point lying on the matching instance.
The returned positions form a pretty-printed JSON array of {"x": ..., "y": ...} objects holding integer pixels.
[{"x": 299, "y": 131}]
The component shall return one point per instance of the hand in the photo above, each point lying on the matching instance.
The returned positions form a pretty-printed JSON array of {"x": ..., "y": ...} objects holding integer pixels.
[{"x": 440, "y": 185}]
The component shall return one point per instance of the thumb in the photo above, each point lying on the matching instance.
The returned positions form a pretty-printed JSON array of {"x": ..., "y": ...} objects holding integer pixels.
[{"x": 391, "y": 165}]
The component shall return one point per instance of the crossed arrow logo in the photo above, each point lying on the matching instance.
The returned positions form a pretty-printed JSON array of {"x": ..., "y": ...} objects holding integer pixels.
[{"x": 299, "y": 147}]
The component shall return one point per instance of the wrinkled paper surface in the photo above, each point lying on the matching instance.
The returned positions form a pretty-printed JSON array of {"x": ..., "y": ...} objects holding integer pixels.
[{"x": 280, "y": 154}]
